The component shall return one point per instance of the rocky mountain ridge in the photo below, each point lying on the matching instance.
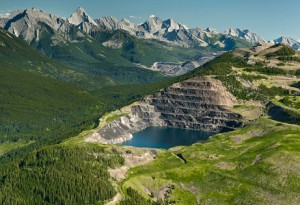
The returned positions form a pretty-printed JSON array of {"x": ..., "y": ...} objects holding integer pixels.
[
  {"x": 80, "y": 40},
  {"x": 288, "y": 41},
  {"x": 23, "y": 22},
  {"x": 26, "y": 23},
  {"x": 246, "y": 35},
  {"x": 82, "y": 36},
  {"x": 171, "y": 31}
]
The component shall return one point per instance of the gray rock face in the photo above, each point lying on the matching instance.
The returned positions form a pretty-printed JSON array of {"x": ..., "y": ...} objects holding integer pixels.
[
  {"x": 140, "y": 117},
  {"x": 110, "y": 23},
  {"x": 288, "y": 41},
  {"x": 246, "y": 35},
  {"x": 27, "y": 23},
  {"x": 80, "y": 16},
  {"x": 82, "y": 20},
  {"x": 200, "y": 103},
  {"x": 153, "y": 24}
]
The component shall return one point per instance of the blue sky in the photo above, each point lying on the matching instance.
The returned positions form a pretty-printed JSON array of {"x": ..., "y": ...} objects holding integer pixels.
[{"x": 268, "y": 18}]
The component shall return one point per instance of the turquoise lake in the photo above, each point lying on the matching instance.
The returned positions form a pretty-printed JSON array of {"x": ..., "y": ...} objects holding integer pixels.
[{"x": 163, "y": 137}]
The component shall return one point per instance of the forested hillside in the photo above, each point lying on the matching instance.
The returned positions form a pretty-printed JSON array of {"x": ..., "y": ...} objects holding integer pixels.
[{"x": 43, "y": 101}]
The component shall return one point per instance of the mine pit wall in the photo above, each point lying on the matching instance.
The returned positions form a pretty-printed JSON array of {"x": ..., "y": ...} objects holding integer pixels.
[{"x": 200, "y": 103}]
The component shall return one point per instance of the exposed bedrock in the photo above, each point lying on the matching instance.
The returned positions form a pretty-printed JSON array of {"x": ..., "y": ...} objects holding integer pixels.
[{"x": 200, "y": 103}]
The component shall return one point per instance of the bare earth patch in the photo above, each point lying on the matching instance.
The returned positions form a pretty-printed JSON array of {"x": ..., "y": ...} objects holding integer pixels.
[
  {"x": 226, "y": 165},
  {"x": 238, "y": 139},
  {"x": 133, "y": 157}
]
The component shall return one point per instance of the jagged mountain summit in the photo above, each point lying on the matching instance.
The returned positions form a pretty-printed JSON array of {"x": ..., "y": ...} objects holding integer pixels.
[
  {"x": 288, "y": 41},
  {"x": 173, "y": 32},
  {"x": 82, "y": 20},
  {"x": 246, "y": 35},
  {"x": 112, "y": 23},
  {"x": 154, "y": 28},
  {"x": 80, "y": 16},
  {"x": 27, "y": 23}
]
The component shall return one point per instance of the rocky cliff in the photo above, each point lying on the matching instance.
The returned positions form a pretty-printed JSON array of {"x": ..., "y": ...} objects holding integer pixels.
[{"x": 200, "y": 103}]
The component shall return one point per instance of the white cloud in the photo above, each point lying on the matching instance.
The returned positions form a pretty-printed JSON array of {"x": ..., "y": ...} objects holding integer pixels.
[
  {"x": 5, "y": 14},
  {"x": 135, "y": 17}
]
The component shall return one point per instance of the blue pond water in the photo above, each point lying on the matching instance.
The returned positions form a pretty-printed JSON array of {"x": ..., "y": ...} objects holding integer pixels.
[{"x": 162, "y": 137}]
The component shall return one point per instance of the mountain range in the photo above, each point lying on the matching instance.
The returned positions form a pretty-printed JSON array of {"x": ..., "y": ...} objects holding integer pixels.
[
  {"x": 94, "y": 48},
  {"x": 164, "y": 30},
  {"x": 89, "y": 44},
  {"x": 24, "y": 23}
]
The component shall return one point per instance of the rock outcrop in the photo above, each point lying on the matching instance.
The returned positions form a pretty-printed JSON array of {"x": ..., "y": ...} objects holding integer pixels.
[{"x": 200, "y": 103}]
